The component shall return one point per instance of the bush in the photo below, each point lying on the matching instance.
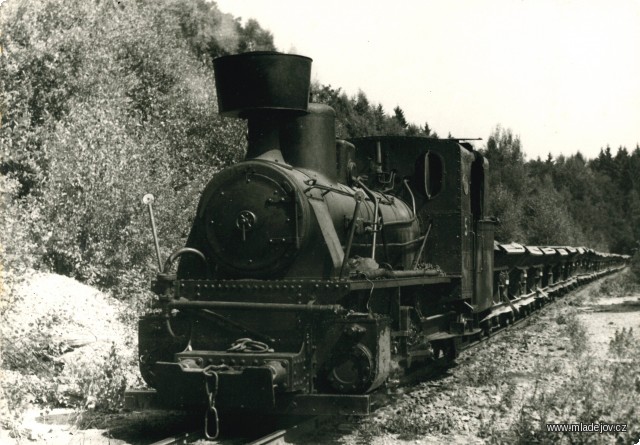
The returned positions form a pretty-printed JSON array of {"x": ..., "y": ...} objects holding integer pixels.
[
  {"x": 577, "y": 333},
  {"x": 18, "y": 251},
  {"x": 54, "y": 351},
  {"x": 104, "y": 104},
  {"x": 620, "y": 285},
  {"x": 102, "y": 386}
]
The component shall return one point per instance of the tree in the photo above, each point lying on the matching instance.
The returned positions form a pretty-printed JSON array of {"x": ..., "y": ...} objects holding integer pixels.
[
  {"x": 252, "y": 37},
  {"x": 506, "y": 159},
  {"x": 399, "y": 115},
  {"x": 104, "y": 103},
  {"x": 357, "y": 116},
  {"x": 426, "y": 129}
]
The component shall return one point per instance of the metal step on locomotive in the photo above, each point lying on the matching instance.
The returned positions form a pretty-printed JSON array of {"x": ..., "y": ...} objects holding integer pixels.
[{"x": 318, "y": 269}]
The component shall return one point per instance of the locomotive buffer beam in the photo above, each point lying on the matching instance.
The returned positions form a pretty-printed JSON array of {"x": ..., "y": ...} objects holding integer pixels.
[{"x": 260, "y": 383}]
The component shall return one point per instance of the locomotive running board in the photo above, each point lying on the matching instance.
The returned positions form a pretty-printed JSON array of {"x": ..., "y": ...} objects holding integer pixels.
[{"x": 299, "y": 404}]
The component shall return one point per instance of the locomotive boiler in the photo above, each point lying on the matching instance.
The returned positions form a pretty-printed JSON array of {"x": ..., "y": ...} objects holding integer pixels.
[{"x": 317, "y": 269}]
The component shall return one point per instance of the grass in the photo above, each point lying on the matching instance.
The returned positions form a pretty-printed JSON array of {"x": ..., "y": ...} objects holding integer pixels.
[{"x": 622, "y": 284}]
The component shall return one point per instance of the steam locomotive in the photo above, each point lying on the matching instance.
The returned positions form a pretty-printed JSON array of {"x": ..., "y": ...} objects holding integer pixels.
[{"x": 317, "y": 269}]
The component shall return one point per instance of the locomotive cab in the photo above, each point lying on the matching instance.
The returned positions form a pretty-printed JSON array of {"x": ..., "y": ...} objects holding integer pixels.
[{"x": 447, "y": 180}]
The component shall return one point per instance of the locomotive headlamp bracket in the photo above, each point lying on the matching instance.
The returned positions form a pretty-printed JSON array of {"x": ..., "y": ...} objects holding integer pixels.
[{"x": 246, "y": 221}]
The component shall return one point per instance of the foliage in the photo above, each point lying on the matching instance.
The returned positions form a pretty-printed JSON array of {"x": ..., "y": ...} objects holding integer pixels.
[
  {"x": 504, "y": 151},
  {"x": 529, "y": 208},
  {"x": 506, "y": 207},
  {"x": 102, "y": 386},
  {"x": 620, "y": 285},
  {"x": 546, "y": 220},
  {"x": 101, "y": 103},
  {"x": 210, "y": 33},
  {"x": 40, "y": 368},
  {"x": 577, "y": 333},
  {"x": 105, "y": 104},
  {"x": 567, "y": 200},
  {"x": 622, "y": 343},
  {"x": 356, "y": 116}
]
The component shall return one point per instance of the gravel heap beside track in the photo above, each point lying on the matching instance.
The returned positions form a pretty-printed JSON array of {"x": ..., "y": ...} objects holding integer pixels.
[
  {"x": 80, "y": 316},
  {"x": 92, "y": 315},
  {"x": 83, "y": 325}
]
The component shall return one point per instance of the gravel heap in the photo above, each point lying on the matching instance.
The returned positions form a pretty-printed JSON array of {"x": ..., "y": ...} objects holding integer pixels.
[{"x": 78, "y": 315}]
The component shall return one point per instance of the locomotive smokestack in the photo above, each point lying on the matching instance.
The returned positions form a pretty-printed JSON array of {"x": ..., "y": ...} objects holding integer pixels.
[
  {"x": 271, "y": 91},
  {"x": 264, "y": 137},
  {"x": 265, "y": 88},
  {"x": 262, "y": 81}
]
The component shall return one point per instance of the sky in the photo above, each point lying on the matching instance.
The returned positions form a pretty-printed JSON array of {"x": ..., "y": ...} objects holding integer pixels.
[{"x": 563, "y": 75}]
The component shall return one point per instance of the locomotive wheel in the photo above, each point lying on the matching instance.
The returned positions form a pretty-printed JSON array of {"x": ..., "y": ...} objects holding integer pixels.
[
  {"x": 450, "y": 351},
  {"x": 445, "y": 349},
  {"x": 352, "y": 371}
]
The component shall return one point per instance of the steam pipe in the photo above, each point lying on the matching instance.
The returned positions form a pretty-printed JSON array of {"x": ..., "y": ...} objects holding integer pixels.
[
  {"x": 180, "y": 252},
  {"x": 376, "y": 209},
  {"x": 419, "y": 254},
  {"x": 413, "y": 199},
  {"x": 358, "y": 197}
]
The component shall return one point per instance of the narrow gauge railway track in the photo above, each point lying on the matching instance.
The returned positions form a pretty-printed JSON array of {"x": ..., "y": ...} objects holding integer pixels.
[
  {"x": 543, "y": 298},
  {"x": 549, "y": 295},
  {"x": 277, "y": 436}
]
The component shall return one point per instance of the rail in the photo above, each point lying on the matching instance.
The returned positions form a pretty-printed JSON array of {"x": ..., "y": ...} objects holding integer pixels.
[
  {"x": 181, "y": 438},
  {"x": 278, "y": 436}
]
